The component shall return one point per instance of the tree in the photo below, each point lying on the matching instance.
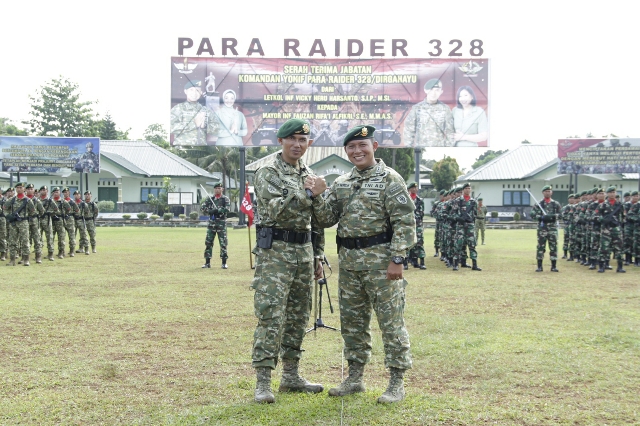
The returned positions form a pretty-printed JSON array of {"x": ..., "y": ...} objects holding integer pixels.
[
  {"x": 108, "y": 131},
  {"x": 57, "y": 111},
  {"x": 8, "y": 129},
  {"x": 445, "y": 172},
  {"x": 402, "y": 160},
  {"x": 486, "y": 157},
  {"x": 161, "y": 203},
  {"x": 525, "y": 142},
  {"x": 428, "y": 163},
  {"x": 156, "y": 134}
]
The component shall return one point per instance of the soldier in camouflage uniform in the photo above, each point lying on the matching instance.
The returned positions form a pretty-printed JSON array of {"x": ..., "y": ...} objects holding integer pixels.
[
  {"x": 191, "y": 122},
  {"x": 3, "y": 229},
  {"x": 70, "y": 222},
  {"x": 430, "y": 122},
  {"x": 216, "y": 208},
  {"x": 417, "y": 251},
  {"x": 566, "y": 218},
  {"x": 464, "y": 212},
  {"x": 90, "y": 216},
  {"x": 609, "y": 215},
  {"x": 17, "y": 211},
  {"x": 376, "y": 226},
  {"x": 46, "y": 226},
  {"x": 547, "y": 227},
  {"x": 633, "y": 219},
  {"x": 593, "y": 227},
  {"x": 481, "y": 217},
  {"x": 80, "y": 223},
  {"x": 34, "y": 222},
  {"x": 288, "y": 198},
  {"x": 435, "y": 209},
  {"x": 627, "y": 230},
  {"x": 579, "y": 222},
  {"x": 58, "y": 220}
]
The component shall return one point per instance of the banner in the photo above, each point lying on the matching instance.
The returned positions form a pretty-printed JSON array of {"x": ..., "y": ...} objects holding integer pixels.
[
  {"x": 599, "y": 156},
  {"x": 247, "y": 207},
  {"x": 49, "y": 154},
  {"x": 411, "y": 102}
]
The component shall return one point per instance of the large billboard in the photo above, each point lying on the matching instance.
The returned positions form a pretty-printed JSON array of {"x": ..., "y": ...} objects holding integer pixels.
[
  {"x": 599, "y": 156},
  {"x": 49, "y": 154},
  {"x": 411, "y": 102}
]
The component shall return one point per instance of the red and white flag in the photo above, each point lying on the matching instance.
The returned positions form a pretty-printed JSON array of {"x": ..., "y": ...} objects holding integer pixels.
[{"x": 247, "y": 206}]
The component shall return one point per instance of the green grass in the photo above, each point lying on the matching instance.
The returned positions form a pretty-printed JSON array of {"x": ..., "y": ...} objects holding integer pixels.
[{"x": 140, "y": 334}]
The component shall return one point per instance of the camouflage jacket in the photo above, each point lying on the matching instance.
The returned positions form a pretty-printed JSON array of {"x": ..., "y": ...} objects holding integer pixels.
[
  {"x": 481, "y": 212},
  {"x": 633, "y": 215},
  {"x": 91, "y": 211},
  {"x": 627, "y": 206},
  {"x": 429, "y": 125},
  {"x": 82, "y": 209},
  {"x": 216, "y": 208},
  {"x": 38, "y": 207},
  {"x": 75, "y": 209},
  {"x": 283, "y": 203},
  {"x": 23, "y": 207},
  {"x": 365, "y": 203},
  {"x": 183, "y": 124},
  {"x": 49, "y": 206},
  {"x": 434, "y": 209},
  {"x": 590, "y": 212},
  {"x": 552, "y": 208},
  {"x": 418, "y": 211},
  {"x": 464, "y": 211},
  {"x": 609, "y": 215},
  {"x": 64, "y": 208},
  {"x": 566, "y": 213}
]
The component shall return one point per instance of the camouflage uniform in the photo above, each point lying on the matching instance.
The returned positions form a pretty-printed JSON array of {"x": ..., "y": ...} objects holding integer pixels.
[
  {"x": 633, "y": 218},
  {"x": 609, "y": 217},
  {"x": 436, "y": 234},
  {"x": 46, "y": 226},
  {"x": 70, "y": 225},
  {"x": 18, "y": 229},
  {"x": 3, "y": 228},
  {"x": 183, "y": 124},
  {"x": 34, "y": 227},
  {"x": 429, "y": 125},
  {"x": 284, "y": 272},
  {"x": 593, "y": 232},
  {"x": 216, "y": 209},
  {"x": 417, "y": 251},
  {"x": 464, "y": 212},
  {"x": 90, "y": 215},
  {"x": 58, "y": 224},
  {"x": 365, "y": 202},
  {"x": 481, "y": 217},
  {"x": 627, "y": 231},
  {"x": 547, "y": 231},
  {"x": 566, "y": 218},
  {"x": 80, "y": 225}
]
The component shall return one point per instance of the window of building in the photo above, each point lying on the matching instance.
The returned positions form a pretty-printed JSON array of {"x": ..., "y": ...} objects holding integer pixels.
[
  {"x": 515, "y": 198},
  {"x": 145, "y": 192}
]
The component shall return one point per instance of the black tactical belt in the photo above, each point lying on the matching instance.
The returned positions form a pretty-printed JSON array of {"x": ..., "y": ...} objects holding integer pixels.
[
  {"x": 56, "y": 219},
  {"x": 363, "y": 242},
  {"x": 291, "y": 236},
  {"x": 77, "y": 217},
  {"x": 32, "y": 218}
]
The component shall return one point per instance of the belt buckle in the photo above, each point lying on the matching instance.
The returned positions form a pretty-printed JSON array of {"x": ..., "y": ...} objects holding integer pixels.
[{"x": 356, "y": 242}]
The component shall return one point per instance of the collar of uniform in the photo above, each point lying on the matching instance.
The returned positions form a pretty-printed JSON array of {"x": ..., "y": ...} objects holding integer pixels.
[
  {"x": 377, "y": 169},
  {"x": 288, "y": 168}
]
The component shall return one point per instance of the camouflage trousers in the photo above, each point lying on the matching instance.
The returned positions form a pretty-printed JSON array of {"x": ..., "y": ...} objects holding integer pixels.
[
  {"x": 19, "y": 237},
  {"x": 91, "y": 230},
  {"x": 3, "y": 235},
  {"x": 547, "y": 234},
  {"x": 628, "y": 232},
  {"x": 578, "y": 238},
  {"x": 59, "y": 232},
  {"x": 566, "y": 242},
  {"x": 417, "y": 251},
  {"x": 282, "y": 303},
  {"x": 586, "y": 239},
  {"x": 465, "y": 237},
  {"x": 46, "y": 232},
  {"x": 610, "y": 241},
  {"x": 82, "y": 231},
  {"x": 219, "y": 229},
  {"x": 69, "y": 225},
  {"x": 445, "y": 242},
  {"x": 358, "y": 293},
  {"x": 479, "y": 229},
  {"x": 594, "y": 243},
  {"x": 635, "y": 252},
  {"x": 34, "y": 236},
  {"x": 436, "y": 236}
]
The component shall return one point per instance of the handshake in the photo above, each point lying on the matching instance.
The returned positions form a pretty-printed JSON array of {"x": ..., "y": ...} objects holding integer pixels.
[{"x": 314, "y": 185}]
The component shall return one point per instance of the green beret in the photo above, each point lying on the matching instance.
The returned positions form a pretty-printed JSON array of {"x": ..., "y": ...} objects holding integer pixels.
[
  {"x": 87, "y": 192},
  {"x": 627, "y": 194},
  {"x": 583, "y": 193},
  {"x": 55, "y": 188},
  {"x": 480, "y": 199},
  {"x": 76, "y": 192},
  {"x": 18, "y": 184},
  {"x": 611, "y": 189},
  {"x": 466, "y": 185},
  {"x": 458, "y": 189},
  {"x": 432, "y": 83},
  {"x": 572, "y": 195},
  {"x": 358, "y": 133},
  {"x": 194, "y": 83},
  {"x": 634, "y": 193},
  {"x": 65, "y": 189},
  {"x": 412, "y": 185},
  {"x": 600, "y": 190},
  {"x": 294, "y": 126},
  {"x": 218, "y": 185},
  {"x": 443, "y": 191},
  {"x": 43, "y": 187},
  {"x": 594, "y": 191},
  {"x": 546, "y": 188},
  {"x": 29, "y": 185}
]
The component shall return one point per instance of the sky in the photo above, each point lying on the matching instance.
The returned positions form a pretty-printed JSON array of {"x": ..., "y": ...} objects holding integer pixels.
[{"x": 558, "y": 68}]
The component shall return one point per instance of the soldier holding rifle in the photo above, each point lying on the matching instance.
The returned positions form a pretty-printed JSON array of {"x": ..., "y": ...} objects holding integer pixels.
[{"x": 547, "y": 213}]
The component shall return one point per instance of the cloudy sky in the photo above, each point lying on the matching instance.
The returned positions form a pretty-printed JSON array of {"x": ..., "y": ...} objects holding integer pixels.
[{"x": 558, "y": 68}]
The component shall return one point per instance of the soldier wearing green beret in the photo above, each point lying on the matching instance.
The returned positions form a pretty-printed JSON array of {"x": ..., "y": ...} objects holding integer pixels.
[
  {"x": 34, "y": 222},
  {"x": 627, "y": 229},
  {"x": 90, "y": 216},
  {"x": 464, "y": 212},
  {"x": 430, "y": 122},
  {"x": 289, "y": 200},
  {"x": 435, "y": 212},
  {"x": 566, "y": 218},
  {"x": 416, "y": 253},
  {"x": 70, "y": 220},
  {"x": 217, "y": 208},
  {"x": 191, "y": 123},
  {"x": 51, "y": 210},
  {"x": 3, "y": 229},
  {"x": 481, "y": 216},
  {"x": 58, "y": 220},
  {"x": 609, "y": 215},
  {"x": 17, "y": 211},
  {"x": 376, "y": 226},
  {"x": 547, "y": 213},
  {"x": 633, "y": 222}
]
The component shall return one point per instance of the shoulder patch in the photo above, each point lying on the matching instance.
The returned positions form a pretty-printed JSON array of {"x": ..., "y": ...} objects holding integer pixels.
[
  {"x": 273, "y": 179},
  {"x": 272, "y": 189},
  {"x": 395, "y": 187},
  {"x": 402, "y": 199},
  {"x": 376, "y": 179}
]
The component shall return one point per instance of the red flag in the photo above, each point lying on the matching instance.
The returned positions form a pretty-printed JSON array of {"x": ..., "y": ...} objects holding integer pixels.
[{"x": 247, "y": 207}]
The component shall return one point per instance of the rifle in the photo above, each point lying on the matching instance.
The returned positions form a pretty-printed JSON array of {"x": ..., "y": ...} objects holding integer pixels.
[
  {"x": 543, "y": 211},
  {"x": 611, "y": 217},
  {"x": 211, "y": 216}
]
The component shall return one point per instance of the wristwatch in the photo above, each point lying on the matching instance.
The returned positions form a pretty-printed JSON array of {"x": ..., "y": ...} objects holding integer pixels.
[{"x": 398, "y": 260}]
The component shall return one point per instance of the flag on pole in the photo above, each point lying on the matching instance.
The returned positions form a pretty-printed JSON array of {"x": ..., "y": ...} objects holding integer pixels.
[{"x": 247, "y": 206}]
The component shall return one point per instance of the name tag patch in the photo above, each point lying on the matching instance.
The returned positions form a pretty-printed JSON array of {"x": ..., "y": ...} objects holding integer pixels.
[
  {"x": 370, "y": 185},
  {"x": 372, "y": 194},
  {"x": 343, "y": 185}
]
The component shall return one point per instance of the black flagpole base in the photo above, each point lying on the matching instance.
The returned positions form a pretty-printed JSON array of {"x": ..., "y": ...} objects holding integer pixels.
[{"x": 319, "y": 324}]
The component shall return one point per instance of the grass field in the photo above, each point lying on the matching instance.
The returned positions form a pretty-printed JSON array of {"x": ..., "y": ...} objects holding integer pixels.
[{"x": 140, "y": 334}]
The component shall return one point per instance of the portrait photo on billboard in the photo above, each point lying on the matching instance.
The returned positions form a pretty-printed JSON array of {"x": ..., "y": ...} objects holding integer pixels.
[
  {"x": 599, "y": 156},
  {"x": 411, "y": 102}
]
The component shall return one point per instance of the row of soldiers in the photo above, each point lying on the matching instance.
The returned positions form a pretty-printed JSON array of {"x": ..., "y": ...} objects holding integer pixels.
[
  {"x": 25, "y": 217},
  {"x": 456, "y": 214},
  {"x": 597, "y": 226}
]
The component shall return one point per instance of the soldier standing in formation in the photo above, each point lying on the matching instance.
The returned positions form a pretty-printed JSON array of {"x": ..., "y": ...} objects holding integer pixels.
[
  {"x": 34, "y": 223},
  {"x": 216, "y": 208},
  {"x": 90, "y": 215},
  {"x": 69, "y": 221},
  {"x": 46, "y": 225},
  {"x": 633, "y": 219},
  {"x": 417, "y": 251},
  {"x": 58, "y": 220},
  {"x": 568, "y": 227},
  {"x": 80, "y": 223},
  {"x": 481, "y": 216},
  {"x": 288, "y": 198},
  {"x": 463, "y": 211},
  {"x": 547, "y": 227},
  {"x": 3, "y": 228},
  {"x": 434, "y": 214},
  {"x": 627, "y": 230},
  {"x": 17, "y": 211},
  {"x": 609, "y": 215},
  {"x": 370, "y": 199}
]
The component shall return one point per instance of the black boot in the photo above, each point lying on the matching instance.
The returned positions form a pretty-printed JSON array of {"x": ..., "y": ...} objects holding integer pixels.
[
  {"x": 539, "y": 266},
  {"x": 436, "y": 255},
  {"x": 607, "y": 266},
  {"x": 455, "y": 265},
  {"x": 422, "y": 263},
  {"x": 475, "y": 265},
  {"x": 565, "y": 255},
  {"x": 553, "y": 266},
  {"x": 627, "y": 259},
  {"x": 637, "y": 264},
  {"x": 224, "y": 263},
  {"x": 464, "y": 263},
  {"x": 207, "y": 263},
  {"x": 405, "y": 264},
  {"x": 620, "y": 266},
  {"x": 601, "y": 270},
  {"x": 570, "y": 259},
  {"x": 593, "y": 264},
  {"x": 449, "y": 262},
  {"x": 414, "y": 262}
]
